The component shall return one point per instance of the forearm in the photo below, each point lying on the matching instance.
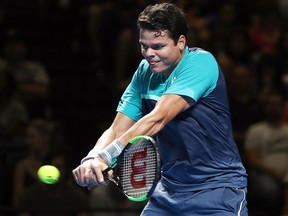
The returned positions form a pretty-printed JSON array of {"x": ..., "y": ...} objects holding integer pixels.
[
  {"x": 165, "y": 110},
  {"x": 105, "y": 139},
  {"x": 148, "y": 125},
  {"x": 124, "y": 129}
]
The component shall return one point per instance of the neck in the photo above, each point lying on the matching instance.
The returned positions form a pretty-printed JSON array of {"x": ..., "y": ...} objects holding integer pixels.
[{"x": 171, "y": 69}]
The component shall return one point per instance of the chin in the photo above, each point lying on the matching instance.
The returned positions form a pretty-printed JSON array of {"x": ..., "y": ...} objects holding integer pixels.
[{"x": 156, "y": 70}]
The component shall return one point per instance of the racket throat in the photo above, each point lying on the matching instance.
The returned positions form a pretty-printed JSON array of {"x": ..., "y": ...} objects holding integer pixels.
[{"x": 116, "y": 182}]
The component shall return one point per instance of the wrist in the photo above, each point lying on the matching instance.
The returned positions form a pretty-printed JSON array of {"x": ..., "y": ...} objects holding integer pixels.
[
  {"x": 111, "y": 151},
  {"x": 91, "y": 155}
]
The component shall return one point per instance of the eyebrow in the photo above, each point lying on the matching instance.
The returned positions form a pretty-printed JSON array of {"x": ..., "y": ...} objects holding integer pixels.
[{"x": 153, "y": 44}]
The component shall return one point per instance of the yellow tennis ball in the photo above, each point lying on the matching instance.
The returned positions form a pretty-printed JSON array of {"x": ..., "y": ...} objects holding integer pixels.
[{"x": 48, "y": 174}]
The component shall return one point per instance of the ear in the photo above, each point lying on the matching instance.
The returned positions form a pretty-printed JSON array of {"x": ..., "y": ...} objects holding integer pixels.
[{"x": 182, "y": 42}]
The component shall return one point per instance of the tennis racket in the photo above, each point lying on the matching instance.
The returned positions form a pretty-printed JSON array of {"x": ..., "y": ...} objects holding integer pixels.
[{"x": 136, "y": 170}]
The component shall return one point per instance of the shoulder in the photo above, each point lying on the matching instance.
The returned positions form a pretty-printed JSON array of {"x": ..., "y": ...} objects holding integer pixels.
[
  {"x": 200, "y": 54},
  {"x": 202, "y": 63},
  {"x": 196, "y": 50},
  {"x": 143, "y": 71},
  {"x": 143, "y": 66}
]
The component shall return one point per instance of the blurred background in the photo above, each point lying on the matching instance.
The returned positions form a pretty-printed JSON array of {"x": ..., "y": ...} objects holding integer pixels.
[{"x": 65, "y": 63}]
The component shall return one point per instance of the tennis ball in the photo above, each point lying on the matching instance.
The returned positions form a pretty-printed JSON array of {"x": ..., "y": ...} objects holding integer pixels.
[{"x": 48, "y": 174}]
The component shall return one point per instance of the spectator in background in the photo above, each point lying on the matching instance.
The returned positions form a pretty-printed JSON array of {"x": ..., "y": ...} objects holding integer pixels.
[
  {"x": 126, "y": 54},
  {"x": 59, "y": 199},
  {"x": 200, "y": 16},
  {"x": 224, "y": 26},
  {"x": 39, "y": 139},
  {"x": 244, "y": 107},
  {"x": 13, "y": 117},
  {"x": 265, "y": 31},
  {"x": 283, "y": 9},
  {"x": 96, "y": 16},
  {"x": 282, "y": 57},
  {"x": 32, "y": 79},
  {"x": 283, "y": 49},
  {"x": 238, "y": 47},
  {"x": 268, "y": 77},
  {"x": 13, "y": 113},
  {"x": 266, "y": 146}
]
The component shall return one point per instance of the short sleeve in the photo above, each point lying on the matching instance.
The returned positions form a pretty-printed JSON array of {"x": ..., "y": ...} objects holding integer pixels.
[
  {"x": 197, "y": 78},
  {"x": 130, "y": 103}
]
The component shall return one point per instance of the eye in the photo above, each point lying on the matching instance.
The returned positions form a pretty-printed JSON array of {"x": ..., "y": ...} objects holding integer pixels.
[
  {"x": 144, "y": 47},
  {"x": 158, "y": 46}
]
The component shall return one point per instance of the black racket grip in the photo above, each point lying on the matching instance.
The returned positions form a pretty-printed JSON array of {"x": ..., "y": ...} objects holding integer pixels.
[
  {"x": 105, "y": 172},
  {"x": 108, "y": 178}
]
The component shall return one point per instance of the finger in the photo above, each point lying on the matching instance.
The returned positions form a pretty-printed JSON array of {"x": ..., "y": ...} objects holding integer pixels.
[
  {"x": 110, "y": 173},
  {"x": 89, "y": 177},
  {"x": 94, "y": 181},
  {"x": 97, "y": 171},
  {"x": 74, "y": 174},
  {"x": 84, "y": 174},
  {"x": 78, "y": 177},
  {"x": 99, "y": 175}
]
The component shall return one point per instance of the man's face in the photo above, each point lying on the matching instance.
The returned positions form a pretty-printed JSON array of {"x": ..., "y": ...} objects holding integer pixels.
[{"x": 160, "y": 50}]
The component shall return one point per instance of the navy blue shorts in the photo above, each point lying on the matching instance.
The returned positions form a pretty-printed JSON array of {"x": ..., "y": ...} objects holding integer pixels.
[{"x": 223, "y": 201}]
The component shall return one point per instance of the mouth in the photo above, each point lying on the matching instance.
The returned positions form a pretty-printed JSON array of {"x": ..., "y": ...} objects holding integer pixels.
[{"x": 153, "y": 63}]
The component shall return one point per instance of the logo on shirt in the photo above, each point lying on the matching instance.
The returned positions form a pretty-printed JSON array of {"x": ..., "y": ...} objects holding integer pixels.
[{"x": 173, "y": 80}]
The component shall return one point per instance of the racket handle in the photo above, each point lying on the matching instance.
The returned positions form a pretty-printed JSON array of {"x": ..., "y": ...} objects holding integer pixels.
[
  {"x": 108, "y": 178},
  {"x": 105, "y": 172}
]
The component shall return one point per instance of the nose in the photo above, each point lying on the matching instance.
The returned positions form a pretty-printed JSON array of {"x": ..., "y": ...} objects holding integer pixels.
[{"x": 149, "y": 52}]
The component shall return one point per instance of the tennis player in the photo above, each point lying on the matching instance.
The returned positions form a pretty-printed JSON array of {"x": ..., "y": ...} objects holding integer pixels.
[{"x": 177, "y": 95}]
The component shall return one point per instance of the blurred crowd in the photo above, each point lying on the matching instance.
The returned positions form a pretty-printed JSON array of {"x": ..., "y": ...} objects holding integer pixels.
[{"x": 64, "y": 64}]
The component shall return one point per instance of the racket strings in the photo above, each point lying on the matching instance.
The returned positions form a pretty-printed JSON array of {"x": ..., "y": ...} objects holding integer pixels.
[{"x": 140, "y": 165}]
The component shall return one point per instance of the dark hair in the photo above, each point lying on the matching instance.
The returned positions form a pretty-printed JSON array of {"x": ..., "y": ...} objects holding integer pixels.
[{"x": 161, "y": 17}]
